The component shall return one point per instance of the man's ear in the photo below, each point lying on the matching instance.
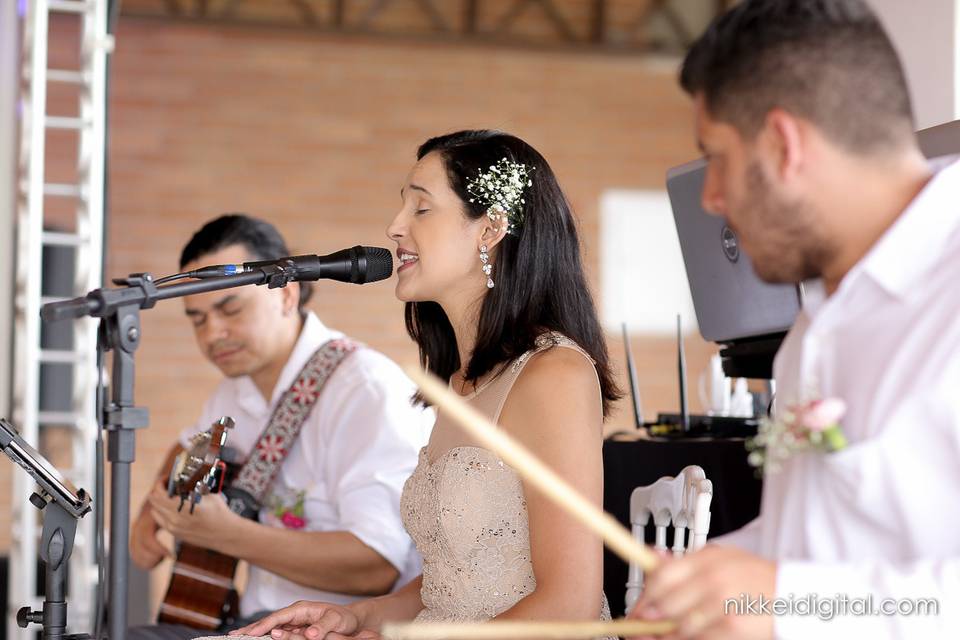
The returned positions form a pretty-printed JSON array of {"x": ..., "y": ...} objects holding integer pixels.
[
  {"x": 291, "y": 298},
  {"x": 784, "y": 136}
]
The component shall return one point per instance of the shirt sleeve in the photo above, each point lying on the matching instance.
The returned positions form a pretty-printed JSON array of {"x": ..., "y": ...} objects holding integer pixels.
[
  {"x": 746, "y": 538},
  {"x": 887, "y": 597},
  {"x": 869, "y": 600},
  {"x": 373, "y": 437}
]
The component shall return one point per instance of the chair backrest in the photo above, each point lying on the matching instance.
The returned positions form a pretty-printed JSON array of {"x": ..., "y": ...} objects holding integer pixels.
[{"x": 684, "y": 502}]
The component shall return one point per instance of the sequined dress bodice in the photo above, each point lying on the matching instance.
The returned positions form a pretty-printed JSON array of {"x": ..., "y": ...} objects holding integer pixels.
[
  {"x": 467, "y": 514},
  {"x": 468, "y": 517}
]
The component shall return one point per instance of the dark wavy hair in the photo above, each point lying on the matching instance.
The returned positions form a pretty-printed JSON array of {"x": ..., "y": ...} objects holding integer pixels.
[
  {"x": 260, "y": 238},
  {"x": 540, "y": 280}
]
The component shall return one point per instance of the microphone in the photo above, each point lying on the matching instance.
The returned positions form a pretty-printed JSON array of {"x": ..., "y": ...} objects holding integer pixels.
[{"x": 358, "y": 265}]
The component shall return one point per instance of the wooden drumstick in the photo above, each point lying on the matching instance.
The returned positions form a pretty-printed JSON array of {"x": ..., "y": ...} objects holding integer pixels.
[
  {"x": 531, "y": 469},
  {"x": 522, "y": 630}
]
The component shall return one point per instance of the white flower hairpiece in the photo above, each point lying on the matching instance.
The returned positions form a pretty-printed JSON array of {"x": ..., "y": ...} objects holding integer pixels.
[{"x": 501, "y": 190}]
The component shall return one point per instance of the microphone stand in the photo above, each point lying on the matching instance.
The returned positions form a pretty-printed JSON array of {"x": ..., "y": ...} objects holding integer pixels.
[{"x": 119, "y": 311}]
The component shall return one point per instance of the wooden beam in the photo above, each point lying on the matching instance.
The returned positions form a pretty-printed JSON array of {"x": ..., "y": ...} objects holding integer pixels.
[
  {"x": 173, "y": 7},
  {"x": 663, "y": 7},
  {"x": 561, "y": 25},
  {"x": 471, "y": 11},
  {"x": 338, "y": 12},
  {"x": 598, "y": 22},
  {"x": 439, "y": 24}
]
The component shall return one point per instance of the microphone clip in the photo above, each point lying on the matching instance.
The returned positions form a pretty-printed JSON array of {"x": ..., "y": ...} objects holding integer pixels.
[
  {"x": 144, "y": 282},
  {"x": 279, "y": 274}
]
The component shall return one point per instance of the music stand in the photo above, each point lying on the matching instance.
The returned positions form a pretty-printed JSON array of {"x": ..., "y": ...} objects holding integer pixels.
[{"x": 62, "y": 507}]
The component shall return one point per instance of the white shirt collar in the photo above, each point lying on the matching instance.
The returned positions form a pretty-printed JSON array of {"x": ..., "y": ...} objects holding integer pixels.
[
  {"x": 916, "y": 240},
  {"x": 313, "y": 334},
  {"x": 814, "y": 296},
  {"x": 912, "y": 244}
]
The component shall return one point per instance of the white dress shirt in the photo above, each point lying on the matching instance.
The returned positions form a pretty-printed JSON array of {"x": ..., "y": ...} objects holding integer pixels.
[
  {"x": 881, "y": 516},
  {"x": 355, "y": 451}
]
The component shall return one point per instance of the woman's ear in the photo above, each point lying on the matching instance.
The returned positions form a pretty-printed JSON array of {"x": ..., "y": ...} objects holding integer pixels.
[{"x": 492, "y": 231}]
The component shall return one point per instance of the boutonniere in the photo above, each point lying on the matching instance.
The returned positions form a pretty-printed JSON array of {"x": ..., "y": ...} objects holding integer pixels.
[
  {"x": 290, "y": 516},
  {"x": 814, "y": 425}
]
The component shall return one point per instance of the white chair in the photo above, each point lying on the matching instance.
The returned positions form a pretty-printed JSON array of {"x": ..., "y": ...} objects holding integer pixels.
[{"x": 683, "y": 501}]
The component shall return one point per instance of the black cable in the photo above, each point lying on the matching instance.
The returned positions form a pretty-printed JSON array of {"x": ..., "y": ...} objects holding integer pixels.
[
  {"x": 176, "y": 276},
  {"x": 200, "y": 274}
]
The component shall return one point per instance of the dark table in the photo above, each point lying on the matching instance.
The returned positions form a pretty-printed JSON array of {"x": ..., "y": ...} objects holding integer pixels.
[{"x": 627, "y": 465}]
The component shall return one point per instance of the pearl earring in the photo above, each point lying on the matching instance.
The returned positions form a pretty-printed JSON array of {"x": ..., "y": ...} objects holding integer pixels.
[{"x": 487, "y": 268}]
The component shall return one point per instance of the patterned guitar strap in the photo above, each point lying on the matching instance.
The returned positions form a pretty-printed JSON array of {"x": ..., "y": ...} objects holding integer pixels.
[{"x": 251, "y": 487}]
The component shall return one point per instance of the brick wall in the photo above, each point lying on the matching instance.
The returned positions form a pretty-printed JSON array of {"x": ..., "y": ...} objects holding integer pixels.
[{"x": 317, "y": 133}]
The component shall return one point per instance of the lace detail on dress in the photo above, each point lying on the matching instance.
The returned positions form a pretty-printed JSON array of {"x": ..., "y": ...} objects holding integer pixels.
[
  {"x": 468, "y": 517},
  {"x": 543, "y": 342}
]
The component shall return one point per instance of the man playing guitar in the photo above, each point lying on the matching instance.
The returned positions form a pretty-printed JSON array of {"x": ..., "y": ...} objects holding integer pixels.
[{"x": 327, "y": 433}]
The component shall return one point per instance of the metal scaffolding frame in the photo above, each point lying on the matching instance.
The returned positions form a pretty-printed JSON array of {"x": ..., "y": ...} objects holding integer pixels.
[
  {"x": 9, "y": 56},
  {"x": 88, "y": 76}
]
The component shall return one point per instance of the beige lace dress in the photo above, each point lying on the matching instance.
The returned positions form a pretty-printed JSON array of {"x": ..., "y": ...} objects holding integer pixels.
[{"x": 466, "y": 512}]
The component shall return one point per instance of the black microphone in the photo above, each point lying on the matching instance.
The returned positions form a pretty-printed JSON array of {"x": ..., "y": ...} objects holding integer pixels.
[{"x": 356, "y": 264}]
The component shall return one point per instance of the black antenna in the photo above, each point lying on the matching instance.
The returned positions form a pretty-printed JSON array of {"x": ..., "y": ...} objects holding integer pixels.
[
  {"x": 682, "y": 371},
  {"x": 634, "y": 384}
]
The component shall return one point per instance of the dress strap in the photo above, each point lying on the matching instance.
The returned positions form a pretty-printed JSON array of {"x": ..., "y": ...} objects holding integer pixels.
[
  {"x": 496, "y": 394},
  {"x": 548, "y": 341}
]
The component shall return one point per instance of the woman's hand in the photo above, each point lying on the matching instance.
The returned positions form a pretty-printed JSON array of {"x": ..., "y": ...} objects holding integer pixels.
[{"x": 310, "y": 621}]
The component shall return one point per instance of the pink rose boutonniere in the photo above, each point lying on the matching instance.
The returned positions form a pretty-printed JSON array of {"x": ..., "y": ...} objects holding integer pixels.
[
  {"x": 291, "y": 516},
  {"x": 814, "y": 425},
  {"x": 292, "y": 521}
]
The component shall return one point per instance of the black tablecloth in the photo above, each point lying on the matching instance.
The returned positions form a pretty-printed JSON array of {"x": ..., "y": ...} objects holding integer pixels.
[{"x": 627, "y": 465}]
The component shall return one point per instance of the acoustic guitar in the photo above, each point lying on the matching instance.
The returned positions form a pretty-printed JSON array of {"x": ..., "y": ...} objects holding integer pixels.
[{"x": 201, "y": 592}]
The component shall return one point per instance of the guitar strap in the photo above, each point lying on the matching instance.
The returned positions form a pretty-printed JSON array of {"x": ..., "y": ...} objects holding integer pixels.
[{"x": 251, "y": 487}]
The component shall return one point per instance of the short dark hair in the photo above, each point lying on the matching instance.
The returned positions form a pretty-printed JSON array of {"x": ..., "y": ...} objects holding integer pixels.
[
  {"x": 260, "y": 238},
  {"x": 828, "y": 61},
  {"x": 540, "y": 283}
]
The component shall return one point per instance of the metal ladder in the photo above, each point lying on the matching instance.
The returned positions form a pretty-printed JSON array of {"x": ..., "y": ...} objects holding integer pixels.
[{"x": 88, "y": 77}]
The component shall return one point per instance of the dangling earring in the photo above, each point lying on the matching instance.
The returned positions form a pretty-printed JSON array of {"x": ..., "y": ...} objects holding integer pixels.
[{"x": 486, "y": 268}]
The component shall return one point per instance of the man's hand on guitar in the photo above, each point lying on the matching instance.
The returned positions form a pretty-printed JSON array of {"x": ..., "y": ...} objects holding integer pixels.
[
  {"x": 204, "y": 527},
  {"x": 310, "y": 621},
  {"x": 146, "y": 550}
]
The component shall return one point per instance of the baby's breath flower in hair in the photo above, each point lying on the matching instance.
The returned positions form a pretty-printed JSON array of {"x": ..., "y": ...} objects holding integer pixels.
[{"x": 501, "y": 190}]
